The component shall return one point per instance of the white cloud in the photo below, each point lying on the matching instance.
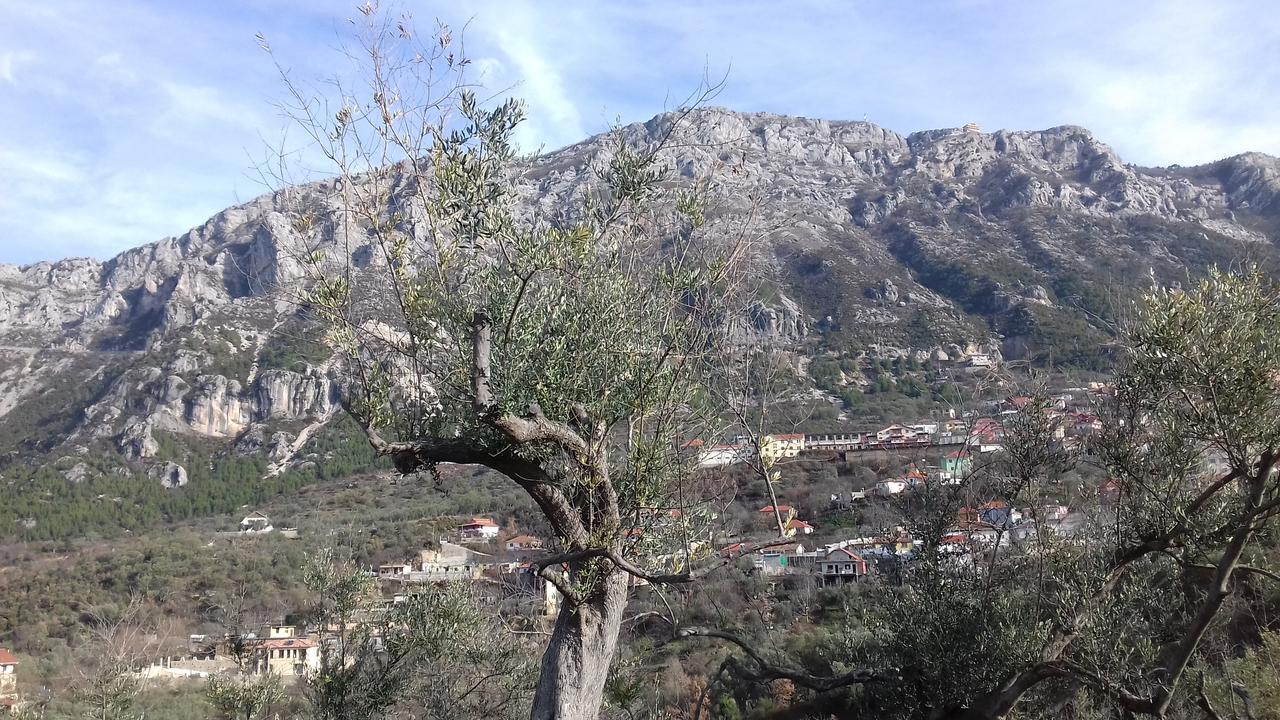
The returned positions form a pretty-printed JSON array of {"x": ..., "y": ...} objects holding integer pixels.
[
  {"x": 532, "y": 72},
  {"x": 130, "y": 120}
]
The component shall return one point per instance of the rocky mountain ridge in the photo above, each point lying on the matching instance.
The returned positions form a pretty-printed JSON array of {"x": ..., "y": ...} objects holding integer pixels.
[{"x": 938, "y": 246}]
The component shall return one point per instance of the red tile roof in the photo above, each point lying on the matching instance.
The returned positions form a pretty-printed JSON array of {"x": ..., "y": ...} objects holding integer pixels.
[
  {"x": 784, "y": 509},
  {"x": 799, "y": 525},
  {"x": 790, "y": 436},
  {"x": 7, "y": 658},
  {"x": 479, "y": 522}
]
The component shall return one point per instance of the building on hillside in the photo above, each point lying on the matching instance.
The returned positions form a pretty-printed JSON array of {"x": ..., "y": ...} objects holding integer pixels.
[
  {"x": 1049, "y": 513},
  {"x": 841, "y": 565},
  {"x": 393, "y": 571},
  {"x": 256, "y": 522},
  {"x": 721, "y": 455},
  {"x": 956, "y": 465},
  {"x": 776, "y": 447},
  {"x": 981, "y": 361},
  {"x": 478, "y": 529},
  {"x": 285, "y": 656},
  {"x": 890, "y": 486},
  {"x": 768, "y": 517},
  {"x": 796, "y": 526},
  {"x": 523, "y": 543},
  {"x": 997, "y": 513},
  {"x": 895, "y": 432},
  {"x": 833, "y": 441},
  {"x": 8, "y": 673},
  {"x": 450, "y": 562}
]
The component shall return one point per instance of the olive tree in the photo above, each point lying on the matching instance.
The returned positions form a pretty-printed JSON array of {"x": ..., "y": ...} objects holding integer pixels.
[
  {"x": 433, "y": 653},
  {"x": 564, "y": 348},
  {"x": 1190, "y": 444}
]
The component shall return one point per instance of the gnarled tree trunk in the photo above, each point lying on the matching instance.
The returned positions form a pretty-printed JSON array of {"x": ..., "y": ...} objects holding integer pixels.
[{"x": 576, "y": 663}]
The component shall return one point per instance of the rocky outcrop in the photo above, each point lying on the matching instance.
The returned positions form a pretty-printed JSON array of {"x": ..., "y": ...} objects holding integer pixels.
[
  {"x": 783, "y": 321},
  {"x": 925, "y": 243},
  {"x": 171, "y": 475},
  {"x": 216, "y": 407},
  {"x": 286, "y": 394},
  {"x": 136, "y": 441}
]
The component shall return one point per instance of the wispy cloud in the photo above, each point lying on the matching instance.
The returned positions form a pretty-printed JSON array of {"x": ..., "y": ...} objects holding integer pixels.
[{"x": 131, "y": 120}]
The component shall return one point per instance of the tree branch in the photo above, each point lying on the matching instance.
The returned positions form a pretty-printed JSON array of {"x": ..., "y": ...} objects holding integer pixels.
[
  {"x": 767, "y": 671},
  {"x": 534, "y": 427},
  {"x": 631, "y": 569}
]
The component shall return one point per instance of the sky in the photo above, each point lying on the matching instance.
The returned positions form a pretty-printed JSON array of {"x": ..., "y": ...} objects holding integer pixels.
[{"x": 127, "y": 121}]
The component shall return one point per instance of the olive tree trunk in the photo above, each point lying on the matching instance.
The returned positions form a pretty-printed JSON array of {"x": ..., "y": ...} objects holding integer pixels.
[{"x": 576, "y": 663}]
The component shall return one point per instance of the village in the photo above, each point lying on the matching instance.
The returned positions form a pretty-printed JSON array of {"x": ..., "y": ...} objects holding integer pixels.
[{"x": 503, "y": 561}]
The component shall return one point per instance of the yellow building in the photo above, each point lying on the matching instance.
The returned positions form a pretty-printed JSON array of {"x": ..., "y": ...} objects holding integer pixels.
[
  {"x": 776, "y": 447},
  {"x": 286, "y": 656}
]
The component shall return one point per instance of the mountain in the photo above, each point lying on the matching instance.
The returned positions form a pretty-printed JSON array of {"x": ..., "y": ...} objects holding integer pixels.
[{"x": 934, "y": 246}]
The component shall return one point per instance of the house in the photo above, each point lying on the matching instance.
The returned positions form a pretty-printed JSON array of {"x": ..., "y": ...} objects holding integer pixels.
[
  {"x": 891, "y": 486},
  {"x": 776, "y": 447},
  {"x": 256, "y": 522},
  {"x": 799, "y": 527},
  {"x": 523, "y": 542},
  {"x": 285, "y": 656},
  {"x": 985, "y": 435},
  {"x": 956, "y": 465},
  {"x": 899, "y": 542},
  {"x": 393, "y": 571},
  {"x": 787, "y": 512},
  {"x": 8, "y": 673},
  {"x": 721, "y": 455},
  {"x": 981, "y": 361},
  {"x": 895, "y": 432},
  {"x": 997, "y": 513},
  {"x": 450, "y": 562},
  {"x": 1050, "y": 513},
  {"x": 480, "y": 529},
  {"x": 841, "y": 565}
]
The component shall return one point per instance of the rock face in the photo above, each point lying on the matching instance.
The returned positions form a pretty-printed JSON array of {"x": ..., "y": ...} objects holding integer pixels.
[
  {"x": 939, "y": 245},
  {"x": 171, "y": 475}
]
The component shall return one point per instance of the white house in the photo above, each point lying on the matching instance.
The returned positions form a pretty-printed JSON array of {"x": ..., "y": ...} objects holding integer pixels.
[
  {"x": 523, "y": 542},
  {"x": 796, "y": 526},
  {"x": 980, "y": 361},
  {"x": 891, "y": 486},
  {"x": 721, "y": 455},
  {"x": 478, "y": 529},
  {"x": 393, "y": 571},
  {"x": 833, "y": 441},
  {"x": 8, "y": 673},
  {"x": 894, "y": 432},
  {"x": 256, "y": 522}
]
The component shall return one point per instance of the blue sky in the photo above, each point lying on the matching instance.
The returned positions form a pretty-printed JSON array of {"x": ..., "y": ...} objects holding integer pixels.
[{"x": 123, "y": 122}]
